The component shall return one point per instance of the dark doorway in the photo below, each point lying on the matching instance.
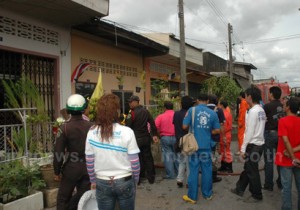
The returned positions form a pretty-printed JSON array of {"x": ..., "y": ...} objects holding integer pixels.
[{"x": 124, "y": 97}]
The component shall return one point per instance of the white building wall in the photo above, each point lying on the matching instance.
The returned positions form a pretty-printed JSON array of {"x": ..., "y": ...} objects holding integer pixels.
[
  {"x": 192, "y": 54},
  {"x": 59, "y": 48},
  {"x": 161, "y": 38},
  {"x": 101, "y": 6},
  {"x": 174, "y": 48}
]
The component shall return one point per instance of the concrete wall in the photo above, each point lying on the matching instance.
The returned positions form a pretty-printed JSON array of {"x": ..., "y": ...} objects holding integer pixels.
[
  {"x": 26, "y": 42},
  {"x": 95, "y": 50},
  {"x": 193, "y": 55},
  {"x": 101, "y": 6},
  {"x": 240, "y": 70}
]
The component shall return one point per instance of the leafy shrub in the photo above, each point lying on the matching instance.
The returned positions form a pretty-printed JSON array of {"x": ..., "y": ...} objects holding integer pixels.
[{"x": 18, "y": 181}]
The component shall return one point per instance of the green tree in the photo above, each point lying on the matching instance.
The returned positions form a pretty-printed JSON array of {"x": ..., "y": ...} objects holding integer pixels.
[
  {"x": 223, "y": 88},
  {"x": 160, "y": 97}
]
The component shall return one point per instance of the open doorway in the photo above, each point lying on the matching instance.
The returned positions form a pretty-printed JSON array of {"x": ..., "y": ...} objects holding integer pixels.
[{"x": 124, "y": 97}]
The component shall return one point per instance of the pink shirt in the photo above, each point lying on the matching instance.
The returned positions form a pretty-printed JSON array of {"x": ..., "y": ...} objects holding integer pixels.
[{"x": 164, "y": 123}]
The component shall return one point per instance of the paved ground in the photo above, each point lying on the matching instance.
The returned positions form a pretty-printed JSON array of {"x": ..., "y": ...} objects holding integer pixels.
[{"x": 165, "y": 195}]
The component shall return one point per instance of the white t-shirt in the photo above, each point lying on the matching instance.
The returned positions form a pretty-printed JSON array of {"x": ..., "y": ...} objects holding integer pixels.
[
  {"x": 111, "y": 158},
  {"x": 255, "y": 126}
]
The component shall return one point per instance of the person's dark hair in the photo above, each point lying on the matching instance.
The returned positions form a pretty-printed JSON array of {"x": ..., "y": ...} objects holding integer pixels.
[
  {"x": 203, "y": 97},
  {"x": 224, "y": 103},
  {"x": 276, "y": 92},
  {"x": 242, "y": 94},
  {"x": 186, "y": 102},
  {"x": 293, "y": 104},
  {"x": 213, "y": 99},
  {"x": 107, "y": 114},
  {"x": 71, "y": 112},
  {"x": 168, "y": 105},
  {"x": 254, "y": 92}
]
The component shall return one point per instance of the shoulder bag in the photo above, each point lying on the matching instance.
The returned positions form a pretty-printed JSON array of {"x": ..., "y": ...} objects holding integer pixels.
[{"x": 188, "y": 142}]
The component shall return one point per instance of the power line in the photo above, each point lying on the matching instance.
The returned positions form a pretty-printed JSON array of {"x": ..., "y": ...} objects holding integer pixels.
[
  {"x": 205, "y": 22},
  {"x": 218, "y": 12},
  {"x": 205, "y": 41},
  {"x": 247, "y": 52},
  {"x": 139, "y": 29},
  {"x": 281, "y": 38}
]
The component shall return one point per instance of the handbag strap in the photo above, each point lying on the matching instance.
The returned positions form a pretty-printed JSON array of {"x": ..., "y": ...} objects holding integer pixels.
[{"x": 191, "y": 129}]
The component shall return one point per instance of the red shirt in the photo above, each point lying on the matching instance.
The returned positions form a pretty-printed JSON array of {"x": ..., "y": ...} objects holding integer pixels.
[{"x": 287, "y": 126}]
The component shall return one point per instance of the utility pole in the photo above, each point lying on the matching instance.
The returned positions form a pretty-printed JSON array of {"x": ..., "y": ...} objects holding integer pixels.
[
  {"x": 183, "y": 82},
  {"x": 230, "y": 51}
]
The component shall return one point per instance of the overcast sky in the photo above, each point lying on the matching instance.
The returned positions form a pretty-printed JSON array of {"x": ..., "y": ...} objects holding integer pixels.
[{"x": 266, "y": 33}]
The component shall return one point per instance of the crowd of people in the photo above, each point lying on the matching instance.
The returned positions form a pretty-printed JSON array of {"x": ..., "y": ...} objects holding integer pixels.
[{"x": 112, "y": 158}]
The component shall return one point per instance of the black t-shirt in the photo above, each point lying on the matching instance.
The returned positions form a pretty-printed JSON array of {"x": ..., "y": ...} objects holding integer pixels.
[
  {"x": 177, "y": 121},
  {"x": 221, "y": 117},
  {"x": 274, "y": 112}
]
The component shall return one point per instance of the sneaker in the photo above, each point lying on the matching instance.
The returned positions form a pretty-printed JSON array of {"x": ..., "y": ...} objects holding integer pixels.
[
  {"x": 251, "y": 199},
  {"x": 237, "y": 153},
  {"x": 151, "y": 181},
  {"x": 209, "y": 198},
  {"x": 279, "y": 185},
  {"x": 187, "y": 199},
  {"x": 230, "y": 171},
  {"x": 179, "y": 184},
  {"x": 268, "y": 188},
  {"x": 222, "y": 168},
  {"x": 239, "y": 193},
  {"x": 217, "y": 179},
  {"x": 225, "y": 170},
  {"x": 168, "y": 177}
]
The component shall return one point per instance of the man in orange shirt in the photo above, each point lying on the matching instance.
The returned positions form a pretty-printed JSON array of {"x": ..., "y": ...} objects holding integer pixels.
[
  {"x": 241, "y": 120},
  {"x": 225, "y": 139}
]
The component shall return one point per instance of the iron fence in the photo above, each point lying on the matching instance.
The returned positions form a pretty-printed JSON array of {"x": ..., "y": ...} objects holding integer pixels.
[{"x": 26, "y": 140}]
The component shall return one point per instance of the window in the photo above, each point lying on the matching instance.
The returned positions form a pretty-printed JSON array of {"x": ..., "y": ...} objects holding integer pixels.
[
  {"x": 124, "y": 97},
  {"x": 85, "y": 89}
]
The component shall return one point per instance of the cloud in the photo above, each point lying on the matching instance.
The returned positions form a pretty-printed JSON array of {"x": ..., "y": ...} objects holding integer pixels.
[{"x": 206, "y": 27}]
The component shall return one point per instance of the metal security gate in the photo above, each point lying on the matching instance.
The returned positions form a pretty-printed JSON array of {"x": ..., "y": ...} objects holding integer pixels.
[{"x": 39, "y": 69}]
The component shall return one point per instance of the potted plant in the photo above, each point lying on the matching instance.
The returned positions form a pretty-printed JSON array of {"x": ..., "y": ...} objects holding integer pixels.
[
  {"x": 120, "y": 79},
  {"x": 142, "y": 82},
  {"x": 19, "y": 185}
]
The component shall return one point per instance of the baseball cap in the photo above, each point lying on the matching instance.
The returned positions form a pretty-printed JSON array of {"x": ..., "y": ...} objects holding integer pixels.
[{"x": 133, "y": 98}]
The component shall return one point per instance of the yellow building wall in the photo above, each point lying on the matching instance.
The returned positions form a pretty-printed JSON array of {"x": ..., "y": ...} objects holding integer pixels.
[{"x": 111, "y": 59}]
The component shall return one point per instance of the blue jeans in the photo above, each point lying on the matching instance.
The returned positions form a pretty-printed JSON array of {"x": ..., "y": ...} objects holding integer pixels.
[
  {"x": 108, "y": 192},
  {"x": 200, "y": 159},
  {"x": 183, "y": 168},
  {"x": 167, "y": 147},
  {"x": 270, "y": 147},
  {"x": 286, "y": 181}
]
